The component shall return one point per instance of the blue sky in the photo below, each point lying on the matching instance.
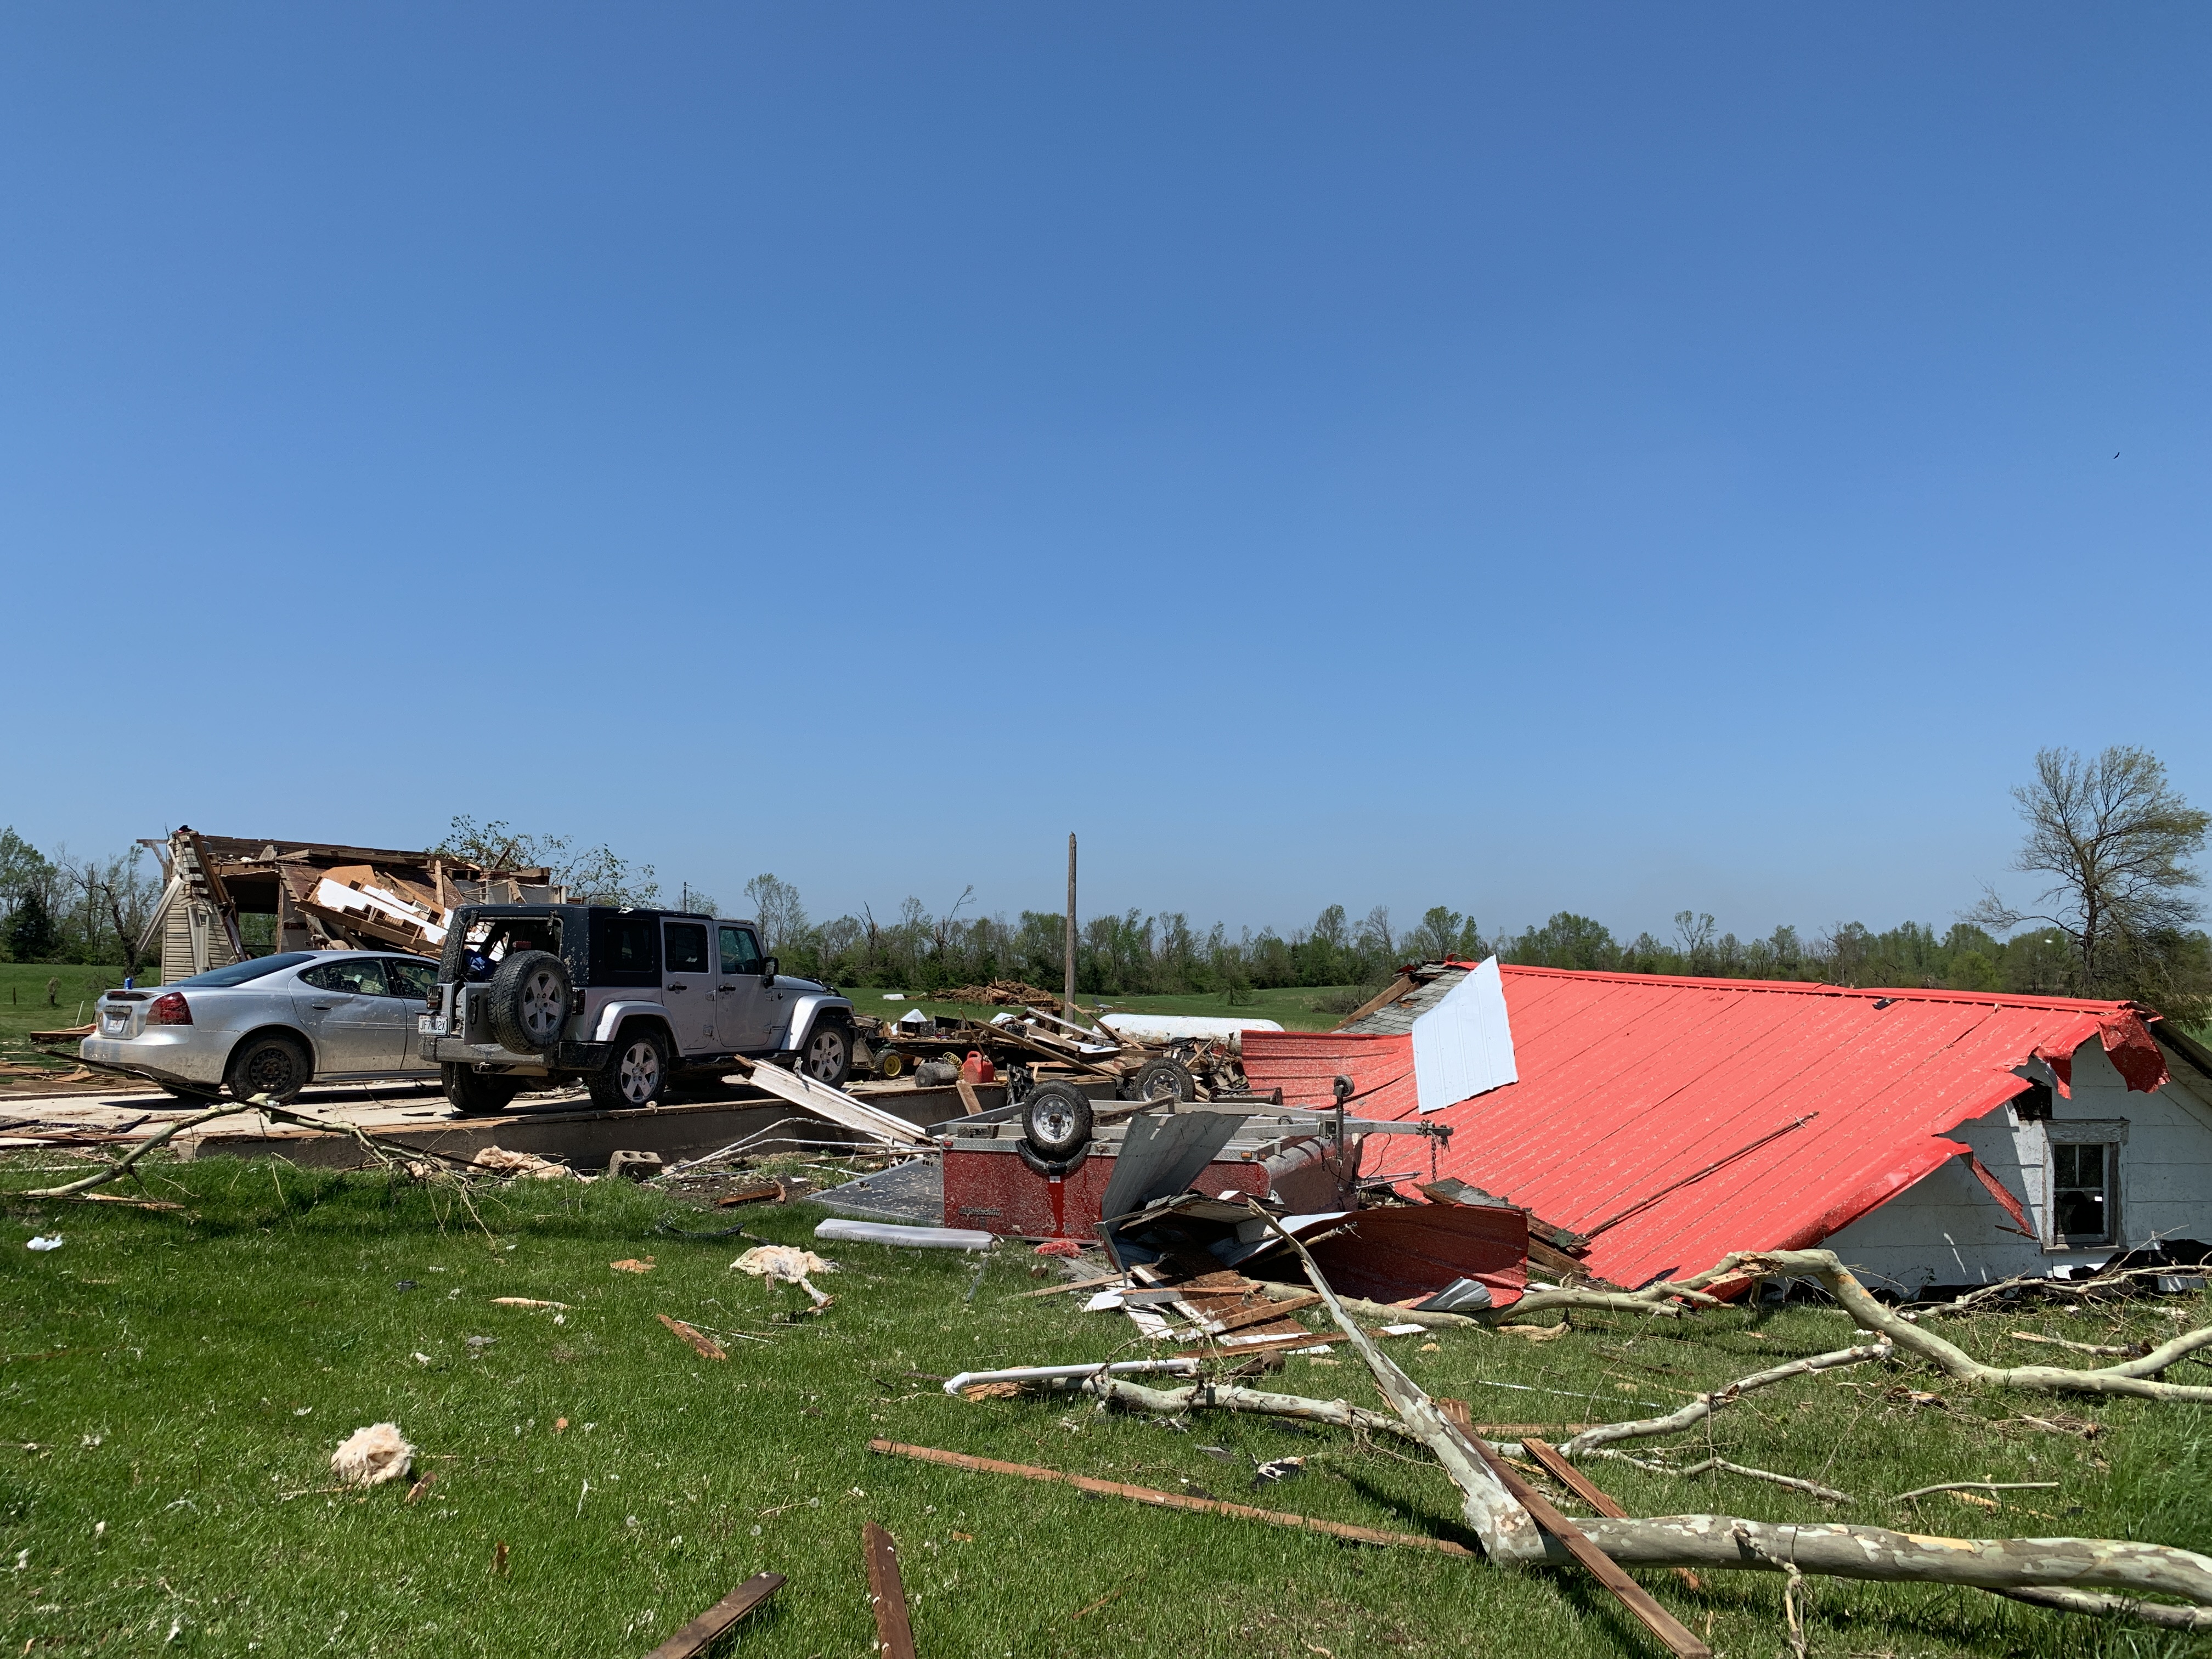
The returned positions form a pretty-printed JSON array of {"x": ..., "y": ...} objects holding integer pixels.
[{"x": 1615, "y": 457}]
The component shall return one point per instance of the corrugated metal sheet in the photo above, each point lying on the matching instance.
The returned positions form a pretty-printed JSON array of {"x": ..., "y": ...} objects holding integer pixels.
[
  {"x": 1633, "y": 1086},
  {"x": 1463, "y": 1047}
]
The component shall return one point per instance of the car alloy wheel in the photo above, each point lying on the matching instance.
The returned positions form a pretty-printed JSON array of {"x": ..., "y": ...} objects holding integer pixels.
[
  {"x": 639, "y": 1073},
  {"x": 825, "y": 1055}
]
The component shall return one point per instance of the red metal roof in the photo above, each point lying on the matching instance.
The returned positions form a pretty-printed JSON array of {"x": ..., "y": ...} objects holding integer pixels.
[{"x": 1633, "y": 1085}]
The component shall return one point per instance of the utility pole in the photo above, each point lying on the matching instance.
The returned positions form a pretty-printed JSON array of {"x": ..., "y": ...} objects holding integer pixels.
[{"x": 1067, "y": 983}]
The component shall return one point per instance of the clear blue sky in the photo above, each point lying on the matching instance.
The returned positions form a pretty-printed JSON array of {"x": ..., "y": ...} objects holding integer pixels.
[{"x": 1616, "y": 458}]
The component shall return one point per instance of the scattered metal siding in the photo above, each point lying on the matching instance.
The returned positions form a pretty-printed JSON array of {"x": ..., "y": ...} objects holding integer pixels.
[{"x": 1631, "y": 1083}]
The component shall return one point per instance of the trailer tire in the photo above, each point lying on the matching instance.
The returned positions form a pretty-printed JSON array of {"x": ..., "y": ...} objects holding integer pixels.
[
  {"x": 1056, "y": 1121},
  {"x": 1055, "y": 1169},
  {"x": 529, "y": 1001},
  {"x": 471, "y": 1090},
  {"x": 636, "y": 1071},
  {"x": 1164, "y": 1080}
]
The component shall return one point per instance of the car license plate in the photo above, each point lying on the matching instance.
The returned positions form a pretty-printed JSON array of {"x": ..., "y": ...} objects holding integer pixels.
[{"x": 119, "y": 1021}]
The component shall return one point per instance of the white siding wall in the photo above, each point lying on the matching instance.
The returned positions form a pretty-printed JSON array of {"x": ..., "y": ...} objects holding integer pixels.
[{"x": 1946, "y": 1229}]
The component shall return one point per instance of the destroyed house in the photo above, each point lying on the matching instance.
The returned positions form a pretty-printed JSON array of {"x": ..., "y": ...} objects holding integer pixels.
[
  {"x": 1930, "y": 1137},
  {"x": 324, "y": 896}
]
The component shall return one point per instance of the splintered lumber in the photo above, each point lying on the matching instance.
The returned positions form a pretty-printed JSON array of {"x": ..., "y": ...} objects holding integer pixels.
[
  {"x": 693, "y": 1639},
  {"x": 1679, "y": 1637},
  {"x": 832, "y": 1104},
  {"x": 1171, "y": 1500},
  {"x": 701, "y": 1344},
  {"x": 1586, "y": 1489},
  {"x": 887, "y": 1594}
]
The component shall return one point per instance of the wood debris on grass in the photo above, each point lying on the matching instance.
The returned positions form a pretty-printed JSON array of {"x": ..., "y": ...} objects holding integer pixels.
[
  {"x": 698, "y": 1636},
  {"x": 701, "y": 1344}
]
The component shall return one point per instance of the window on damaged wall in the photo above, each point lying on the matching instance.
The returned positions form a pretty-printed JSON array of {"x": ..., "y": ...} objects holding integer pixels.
[
  {"x": 2085, "y": 1183},
  {"x": 2080, "y": 1209}
]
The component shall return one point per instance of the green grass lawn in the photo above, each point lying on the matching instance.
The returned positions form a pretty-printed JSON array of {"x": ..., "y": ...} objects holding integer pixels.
[
  {"x": 172, "y": 1386},
  {"x": 1294, "y": 1008},
  {"x": 24, "y": 1008}
]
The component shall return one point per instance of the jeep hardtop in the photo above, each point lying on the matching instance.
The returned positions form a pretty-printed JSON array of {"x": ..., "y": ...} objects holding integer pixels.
[{"x": 624, "y": 1000}]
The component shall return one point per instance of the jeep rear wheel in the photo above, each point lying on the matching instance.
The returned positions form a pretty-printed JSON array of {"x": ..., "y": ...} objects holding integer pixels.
[
  {"x": 636, "y": 1072},
  {"x": 828, "y": 1056},
  {"x": 471, "y": 1090}
]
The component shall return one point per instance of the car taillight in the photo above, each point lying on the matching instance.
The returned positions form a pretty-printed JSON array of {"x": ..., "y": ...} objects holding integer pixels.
[{"x": 171, "y": 1010}]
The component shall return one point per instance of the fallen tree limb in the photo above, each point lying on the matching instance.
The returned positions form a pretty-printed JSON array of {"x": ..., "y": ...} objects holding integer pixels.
[
  {"x": 2114, "y": 1607},
  {"x": 1720, "y": 1465},
  {"x": 1706, "y": 1404},
  {"x": 1508, "y": 1532},
  {"x": 1228, "y": 1397},
  {"x": 1378, "y": 1313},
  {"x": 1975, "y": 1485},
  {"x": 1876, "y": 1554},
  {"x": 2129, "y": 1378}
]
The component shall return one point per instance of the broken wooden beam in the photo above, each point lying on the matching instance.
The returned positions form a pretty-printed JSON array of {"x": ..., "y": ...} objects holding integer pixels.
[{"x": 693, "y": 1639}]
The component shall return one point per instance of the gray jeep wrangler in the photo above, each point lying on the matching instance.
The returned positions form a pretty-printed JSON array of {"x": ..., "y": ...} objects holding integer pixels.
[{"x": 626, "y": 1001}]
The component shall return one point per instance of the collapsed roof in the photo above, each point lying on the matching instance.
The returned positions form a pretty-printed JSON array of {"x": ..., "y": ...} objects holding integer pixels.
[
  {"x": 1674, "y": 1119},
  {"x": 324, "y": 895}
]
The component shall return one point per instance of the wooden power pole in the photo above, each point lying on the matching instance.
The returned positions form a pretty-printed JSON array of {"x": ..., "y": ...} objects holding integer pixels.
[{"x": 1067, "y": 980}]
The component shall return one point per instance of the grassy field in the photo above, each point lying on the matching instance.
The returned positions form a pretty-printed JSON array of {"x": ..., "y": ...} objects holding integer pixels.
[
  {"x": 172, "y": 1387},
  {"x": 1294, "y": 1008},
  {"x": 24, "y": 1008}
]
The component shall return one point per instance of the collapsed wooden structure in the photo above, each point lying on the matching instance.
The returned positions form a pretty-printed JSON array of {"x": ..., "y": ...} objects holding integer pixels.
[{"x": 323, "y": 895}]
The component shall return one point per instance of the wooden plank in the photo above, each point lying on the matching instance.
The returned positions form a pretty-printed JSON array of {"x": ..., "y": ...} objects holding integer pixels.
[
  {"x": 1099, "y": 1283},
  {"x": 1265, "y": 1313},
  {"x": 1397, "y": 988},
  {"x": 887, "y": 1594},
  {"x": 701, "y": 1344},
  {"x": 1171, "y": 1500},
  {"x": 693, "y": 1637},
  {"x": 1585, "y": 1488},
  {"x": 1680, "y": 1639},
  {"x": 969, "y": 1103}
]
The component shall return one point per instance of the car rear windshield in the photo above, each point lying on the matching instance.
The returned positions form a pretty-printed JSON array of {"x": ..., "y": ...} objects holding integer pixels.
[{"x": 252, "y": 968}]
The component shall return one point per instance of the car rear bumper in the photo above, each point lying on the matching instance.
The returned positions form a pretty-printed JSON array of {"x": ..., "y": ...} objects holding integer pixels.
[{"x": 176, "y": 1054}]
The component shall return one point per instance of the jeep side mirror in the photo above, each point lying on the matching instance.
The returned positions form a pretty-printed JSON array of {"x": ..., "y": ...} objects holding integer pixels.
[{"x": 767, "y": 970}]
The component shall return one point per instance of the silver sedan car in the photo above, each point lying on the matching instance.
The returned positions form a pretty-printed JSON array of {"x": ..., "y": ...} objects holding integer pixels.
[{"x": 269, "y": 1024}]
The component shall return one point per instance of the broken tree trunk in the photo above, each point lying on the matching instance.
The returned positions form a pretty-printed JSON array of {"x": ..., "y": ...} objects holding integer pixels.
[
  {"x": 1507, "y": 1530},
  {"x": 2130, "y": 1378}
]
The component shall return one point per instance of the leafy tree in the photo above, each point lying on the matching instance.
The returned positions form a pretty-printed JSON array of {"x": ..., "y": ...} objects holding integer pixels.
[
  {"x": 776, "y": 908},
  {"x": 600, "y": 876},
  {"x": 31, "y": 935},
  {"x": 2114, "y": 840}
]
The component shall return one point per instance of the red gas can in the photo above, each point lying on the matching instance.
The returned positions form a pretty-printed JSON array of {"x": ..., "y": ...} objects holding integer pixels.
[{"x": 978, "y": 1069}]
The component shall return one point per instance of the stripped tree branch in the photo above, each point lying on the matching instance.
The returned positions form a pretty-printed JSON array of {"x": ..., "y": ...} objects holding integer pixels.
[
  {"x": 1706, "y": 1404},
  {"x": 2128, "y": 1378},
  {"x": 1720, "y": 1465}
]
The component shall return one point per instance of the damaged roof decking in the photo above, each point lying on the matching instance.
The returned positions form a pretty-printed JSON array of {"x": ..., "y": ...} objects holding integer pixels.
[{"x": 1631, "y": 1084}]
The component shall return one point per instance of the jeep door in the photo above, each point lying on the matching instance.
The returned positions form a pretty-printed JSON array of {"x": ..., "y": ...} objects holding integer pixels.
[
  {"x": 345, "y": 1005},
  {"x": 687, "y": 985},
  {"x": 748, "y": 1012}
]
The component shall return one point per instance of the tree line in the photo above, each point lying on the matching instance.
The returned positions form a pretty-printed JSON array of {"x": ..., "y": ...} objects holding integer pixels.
[{"x": 2107, "y": 835}]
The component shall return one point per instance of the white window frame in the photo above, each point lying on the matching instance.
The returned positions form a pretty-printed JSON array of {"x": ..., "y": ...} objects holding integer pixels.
[{"x": 2111, "y": 1133}]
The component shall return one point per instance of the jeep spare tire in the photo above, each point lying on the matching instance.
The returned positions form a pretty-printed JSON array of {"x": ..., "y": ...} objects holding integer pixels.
[
  {"x": 530, "y": 1002},
  {"x": 1056, "y": 1121}
]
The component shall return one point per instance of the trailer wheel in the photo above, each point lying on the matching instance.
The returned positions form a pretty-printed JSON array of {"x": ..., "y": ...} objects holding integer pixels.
[
  {"x": 1056, "y": 1121},
  {"x": 1058, "y": 1168},
  {"x": 1165, "y": 1079},
  {"x": 530, "y": 998}
]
